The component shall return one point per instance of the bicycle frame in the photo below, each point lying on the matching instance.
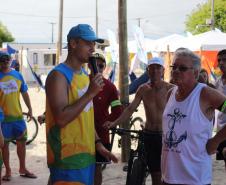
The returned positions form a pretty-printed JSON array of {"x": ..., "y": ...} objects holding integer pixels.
[{"x": 137, "y": 167}]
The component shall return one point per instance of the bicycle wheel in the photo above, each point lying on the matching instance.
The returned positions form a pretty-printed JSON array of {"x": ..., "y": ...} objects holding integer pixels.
[
  {"x": 129, "y": 167},
  {"x": 32, "y": 128},
  {"x": 135, "y": 123},
  {"x": 138, "y": 173}
]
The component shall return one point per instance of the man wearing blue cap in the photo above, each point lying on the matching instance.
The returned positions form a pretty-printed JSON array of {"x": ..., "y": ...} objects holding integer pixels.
[
  {"x": 13, "y": 126},
  {"x": 154, "y": 97},
  {"x": 71, "y": 138}
]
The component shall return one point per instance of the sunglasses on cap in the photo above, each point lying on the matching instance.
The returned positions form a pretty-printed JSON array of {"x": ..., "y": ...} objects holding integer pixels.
[
  {"x": 181, "y": 68},
  {"x": 4, "y": 58},
  {"x": 99, "y": 56}
]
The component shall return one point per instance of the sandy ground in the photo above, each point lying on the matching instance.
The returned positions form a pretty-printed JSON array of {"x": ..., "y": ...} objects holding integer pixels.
[{"x": 36, "y": 155}]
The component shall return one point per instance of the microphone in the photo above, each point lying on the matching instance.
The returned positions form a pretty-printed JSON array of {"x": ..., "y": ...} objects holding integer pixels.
[{"x": 93, "y": 63}]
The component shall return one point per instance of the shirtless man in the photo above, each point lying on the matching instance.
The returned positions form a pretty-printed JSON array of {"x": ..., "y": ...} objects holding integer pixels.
[{"x": 154, "y": 97}]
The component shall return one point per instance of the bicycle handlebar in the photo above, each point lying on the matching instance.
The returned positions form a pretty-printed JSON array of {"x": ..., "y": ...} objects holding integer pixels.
[{"x": 122, "y": 131}]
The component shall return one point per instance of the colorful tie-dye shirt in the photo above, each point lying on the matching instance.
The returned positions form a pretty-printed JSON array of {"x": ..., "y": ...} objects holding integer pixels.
[
  {"x": 72, "y": 147},
  {"x": 11, "y": 84}
]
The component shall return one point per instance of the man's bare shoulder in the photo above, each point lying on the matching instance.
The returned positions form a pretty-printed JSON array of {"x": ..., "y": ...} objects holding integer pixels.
[
  {"x": 144, "y": 87},
  {"x": 55, "y": 76},
  {"x": 55, "y": 80},
  {"x": 168, "y": 85},
  {"x": 209, "y": 93}
]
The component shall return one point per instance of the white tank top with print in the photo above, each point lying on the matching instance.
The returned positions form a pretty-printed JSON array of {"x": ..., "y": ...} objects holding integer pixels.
[{"x": 185, "y": 133}]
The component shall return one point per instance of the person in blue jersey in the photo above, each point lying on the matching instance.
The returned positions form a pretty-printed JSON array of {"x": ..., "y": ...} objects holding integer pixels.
[
  {"x": 71, "y": 137},
  {"x": 13, "y": 126}
]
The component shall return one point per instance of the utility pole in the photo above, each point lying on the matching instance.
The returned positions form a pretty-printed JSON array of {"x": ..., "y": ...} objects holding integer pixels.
[
  {"x": 212, "y": 16},
  {"x": 97, "y": 17},
  {"x": 139, "y": 21},
  {"x": 52, "y": 24},
  {"x": 60, "y": 26},
  {"x": 123, "y": 71}
]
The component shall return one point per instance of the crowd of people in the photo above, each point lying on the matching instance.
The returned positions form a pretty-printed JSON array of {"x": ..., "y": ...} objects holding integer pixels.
[{"x": 82, "y": 107}]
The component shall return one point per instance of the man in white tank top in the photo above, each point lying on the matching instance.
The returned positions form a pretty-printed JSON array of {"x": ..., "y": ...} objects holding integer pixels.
[{"x": 187, "y": 124}]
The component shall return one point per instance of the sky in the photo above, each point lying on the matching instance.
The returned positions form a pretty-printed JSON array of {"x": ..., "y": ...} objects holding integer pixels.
[{"x": 30, "y": 21}]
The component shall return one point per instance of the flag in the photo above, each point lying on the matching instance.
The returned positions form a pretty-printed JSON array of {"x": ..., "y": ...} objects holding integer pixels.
[
  {"x": 114, "y": 54},
  {"x": 139, "y": 38}
]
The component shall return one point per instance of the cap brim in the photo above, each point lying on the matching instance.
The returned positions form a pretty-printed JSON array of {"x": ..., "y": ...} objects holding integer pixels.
[
  {"x": 155, "y": 63},
  {"x": 95, "y": 39}
]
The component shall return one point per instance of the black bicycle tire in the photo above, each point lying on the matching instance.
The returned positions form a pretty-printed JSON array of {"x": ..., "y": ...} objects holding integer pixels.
[
  {"x": 132, "y": 122},
  {"x": 35, "y": 133},
  {"x": 138, "y": 173},
  {"x": 130, "y": 164}
]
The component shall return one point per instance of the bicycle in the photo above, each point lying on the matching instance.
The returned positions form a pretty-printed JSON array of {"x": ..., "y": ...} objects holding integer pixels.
[
  {"x": 137, "y": 170},
  {"x": 32, "y": 128},
  {"x": 135, "y": 123}
]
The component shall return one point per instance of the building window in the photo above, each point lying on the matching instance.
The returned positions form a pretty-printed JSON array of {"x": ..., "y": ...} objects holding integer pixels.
[
  {"x": 50, "y": 59},
  {"x": 35, "y": 58}
]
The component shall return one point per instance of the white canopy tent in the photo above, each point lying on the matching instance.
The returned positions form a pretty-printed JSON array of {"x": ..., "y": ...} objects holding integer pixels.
[{"x": 211, "y": 41}]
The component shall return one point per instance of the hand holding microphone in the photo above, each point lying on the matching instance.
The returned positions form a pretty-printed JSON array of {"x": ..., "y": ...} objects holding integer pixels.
[
  {"x": 93, "y": 63},
  {"x": 96, "y": 83}
]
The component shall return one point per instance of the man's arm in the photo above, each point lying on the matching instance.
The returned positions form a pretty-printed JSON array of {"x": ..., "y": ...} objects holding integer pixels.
[
  {"x": 103, "y": 151},
  {"x": 128, "y": 111},
  {"x": 57, "y": 97},
  {"x": 27, "y": 101},
  {"x": 216, "y": 100},
  {"x": 115, "y": 104}
]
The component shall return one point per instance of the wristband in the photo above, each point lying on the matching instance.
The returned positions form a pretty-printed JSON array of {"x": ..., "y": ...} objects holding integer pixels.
[{"x": 98, "y": 141}]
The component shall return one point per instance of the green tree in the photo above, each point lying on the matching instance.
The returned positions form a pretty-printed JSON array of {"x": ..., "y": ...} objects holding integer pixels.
[
  {"x": 5, "y": 35},
  {"x": 196, "y": 21}
]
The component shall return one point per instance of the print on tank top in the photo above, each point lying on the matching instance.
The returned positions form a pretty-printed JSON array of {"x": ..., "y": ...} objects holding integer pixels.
[{"x": 172, "y": 139}]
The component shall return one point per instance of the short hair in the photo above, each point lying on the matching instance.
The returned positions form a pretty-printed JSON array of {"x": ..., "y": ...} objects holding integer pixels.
[
  {"x": 196, "y": 61},
  {"x": 69, "y": 45},
  {"x": 222, "y": 52},
  {"x": 203, "y": 71}
]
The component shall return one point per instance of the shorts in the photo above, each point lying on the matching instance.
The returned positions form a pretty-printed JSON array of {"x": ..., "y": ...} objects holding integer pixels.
[
  {"x": 84, "y": 176},
  {"x": 14, "y": 131},
  {"x": 153, "y": 149},
  {"x": 220, "y": 148},
  {"x": 101, "y": 159}
]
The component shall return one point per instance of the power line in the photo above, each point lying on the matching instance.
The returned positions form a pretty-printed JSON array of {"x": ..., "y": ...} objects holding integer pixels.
[{"x": 44, "y": 16}]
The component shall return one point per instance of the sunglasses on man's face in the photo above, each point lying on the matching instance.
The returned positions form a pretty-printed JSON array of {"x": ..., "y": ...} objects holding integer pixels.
[{"x": 181, "y": 68}]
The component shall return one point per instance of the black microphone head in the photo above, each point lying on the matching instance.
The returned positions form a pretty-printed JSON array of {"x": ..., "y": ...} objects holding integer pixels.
[{"x": 93, "y": 63}]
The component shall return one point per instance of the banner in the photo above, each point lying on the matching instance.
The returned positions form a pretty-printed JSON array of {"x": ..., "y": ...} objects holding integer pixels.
[
  {"x": 114, "y": 48},
  {"x": 141, "y": 50}
]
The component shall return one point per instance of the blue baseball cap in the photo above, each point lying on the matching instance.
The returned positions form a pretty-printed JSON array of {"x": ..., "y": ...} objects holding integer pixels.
[
  {"x": 4, "y": 55},
  {"x": 85, "y": 32}
]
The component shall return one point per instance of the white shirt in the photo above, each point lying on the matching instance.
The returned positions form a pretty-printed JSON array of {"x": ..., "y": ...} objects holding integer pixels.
[{"x": 185, "y": 133}]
